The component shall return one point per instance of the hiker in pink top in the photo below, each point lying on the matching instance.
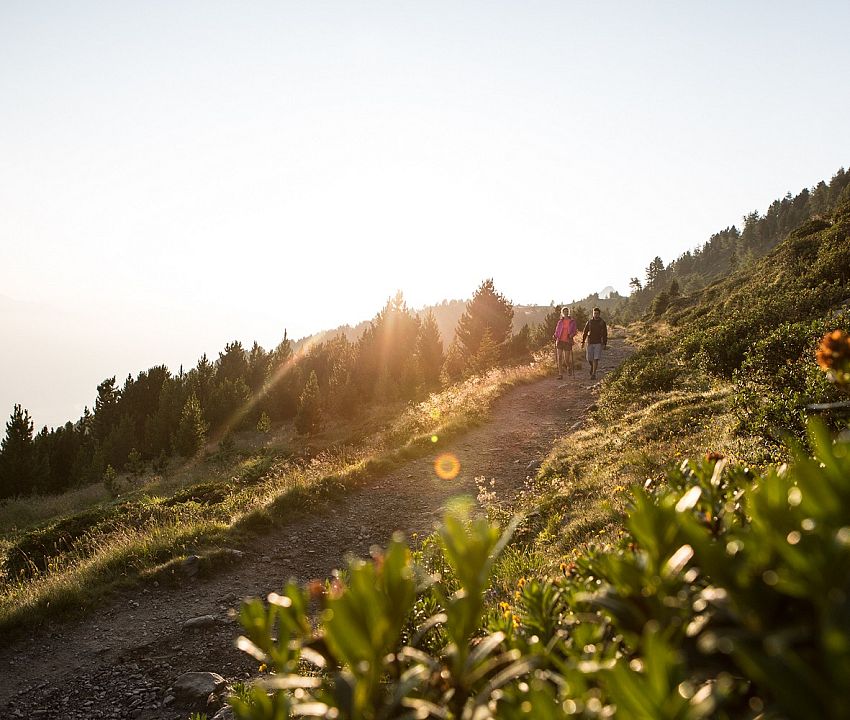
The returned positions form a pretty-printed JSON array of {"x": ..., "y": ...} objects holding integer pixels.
[{"x": 565, "y": 332}]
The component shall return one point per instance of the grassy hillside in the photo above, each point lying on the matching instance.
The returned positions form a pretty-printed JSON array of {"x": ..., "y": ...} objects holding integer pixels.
[{"x": 62, "y": 553}]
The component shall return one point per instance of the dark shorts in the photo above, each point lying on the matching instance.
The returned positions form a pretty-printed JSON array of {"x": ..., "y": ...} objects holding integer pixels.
[{"x": 565, "y": 344}]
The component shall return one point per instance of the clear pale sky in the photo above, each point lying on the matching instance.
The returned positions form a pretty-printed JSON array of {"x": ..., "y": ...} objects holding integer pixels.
[{"x": 175, "y": 174}]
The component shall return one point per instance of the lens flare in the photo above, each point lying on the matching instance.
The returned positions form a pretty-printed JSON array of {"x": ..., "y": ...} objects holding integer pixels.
[
  {"x": 434, "y": 438},
  {"x": 447, "y": 466}
]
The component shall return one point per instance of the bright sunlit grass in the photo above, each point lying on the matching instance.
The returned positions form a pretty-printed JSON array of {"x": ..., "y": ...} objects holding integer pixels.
[
  {"x": 212, "y": 503},
  {"x": 580, "y": 497}
]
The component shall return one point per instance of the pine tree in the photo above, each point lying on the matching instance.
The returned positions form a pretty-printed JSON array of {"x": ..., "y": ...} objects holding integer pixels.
[
  {"x": 202, "y": 381},
  {"x": 454, "y": 368},
  {"x": 342, "y": 394},
  {"x": 18, "y": 467},
  {"x": 232, "y": 363},
  {"x": 105, "y": 409},
  {"x": 383, "y": 361},
  {"x": 751, "y": 237},
  {"x": 135, "y": 464},
  {"x": 264, "y": 424},
  {"x": 118, "y": 443},
  {"x": 487, "y": 311},
  {"x": 63, "y": 444},
  {"x": 110, "y": 481},
  {"x": 660, "y": 303},
  {"x": 519, "y": 346},
  {"x": 486, "y": 356},
  {"x": 258, "y": 368},
  {"x": 228, "y": 402},
  {"x": 309, "y": 419},
  {"x": 161, "y": 424},
  {"x": 191, "y": 431},
  {"x": 140, "y": 397},
  {"x": 281, "y": 397},
  {"x": 733, "y": 259},
  {"x": 654, "y": 272},
  {"x": 429, "y": 352}
]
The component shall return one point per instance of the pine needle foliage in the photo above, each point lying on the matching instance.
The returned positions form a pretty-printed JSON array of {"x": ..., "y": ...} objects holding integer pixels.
[
  {"x": 487, "y": 311},
  {"x": 309, "y": 420},
  {"x": 191, "y": 432},
  {"x": 429, "y": 351}
]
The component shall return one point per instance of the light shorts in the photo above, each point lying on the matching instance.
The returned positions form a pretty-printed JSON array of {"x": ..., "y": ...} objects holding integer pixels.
[{"x": 594, "y": 352}]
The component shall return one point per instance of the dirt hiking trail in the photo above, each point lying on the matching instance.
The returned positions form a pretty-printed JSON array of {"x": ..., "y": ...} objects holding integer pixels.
[{"x": 121, "y": 660}]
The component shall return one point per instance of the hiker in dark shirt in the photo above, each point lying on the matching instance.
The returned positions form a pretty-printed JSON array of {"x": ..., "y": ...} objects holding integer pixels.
[{"x": 596, "y": 333}]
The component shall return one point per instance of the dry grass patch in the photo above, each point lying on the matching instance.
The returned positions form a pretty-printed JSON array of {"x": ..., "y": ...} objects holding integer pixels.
[
  {"x": 19, "y": 513},
  {"x": 580, "y": 497}
]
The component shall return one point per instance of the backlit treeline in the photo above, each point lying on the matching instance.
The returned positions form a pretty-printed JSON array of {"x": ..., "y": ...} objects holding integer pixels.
[
  {"x": 732, "y": 248},
  {"x": 139, "y": 424}
]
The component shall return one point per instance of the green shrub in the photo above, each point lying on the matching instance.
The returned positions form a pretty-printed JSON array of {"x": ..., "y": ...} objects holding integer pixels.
[
  {"x": 30, "y": 554},
  {"x": 255, "y": 469},
  {"x": 778, "y": 380},
  {"x": 654, "y": 368},
  {"x": 209, "y": 493}
]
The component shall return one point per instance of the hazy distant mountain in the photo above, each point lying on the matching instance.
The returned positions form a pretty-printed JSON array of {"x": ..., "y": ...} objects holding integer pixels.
[
  {"x": 606, "y": 292},
  {"x": 447, "y": 313}
]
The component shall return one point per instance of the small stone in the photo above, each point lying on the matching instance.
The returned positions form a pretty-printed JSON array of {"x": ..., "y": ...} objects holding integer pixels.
[
  {"x": 198, "y": 685},
  {"x": 168, "y": 700},
  {"x": 201, "y": 621}
]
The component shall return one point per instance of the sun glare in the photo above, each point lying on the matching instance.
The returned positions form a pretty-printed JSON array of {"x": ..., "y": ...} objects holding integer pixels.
[{"x": 447, "y": 466}]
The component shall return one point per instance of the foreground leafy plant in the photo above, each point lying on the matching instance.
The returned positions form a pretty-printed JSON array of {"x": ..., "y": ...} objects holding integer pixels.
[{"x": 728, "y": 599}]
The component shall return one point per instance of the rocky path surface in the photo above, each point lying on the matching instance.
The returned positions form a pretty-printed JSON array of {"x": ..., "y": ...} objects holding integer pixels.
[{"x": 123, "y": 661}]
